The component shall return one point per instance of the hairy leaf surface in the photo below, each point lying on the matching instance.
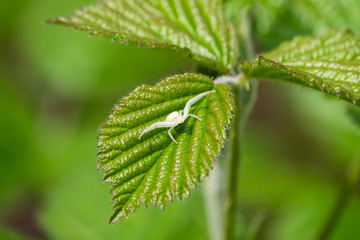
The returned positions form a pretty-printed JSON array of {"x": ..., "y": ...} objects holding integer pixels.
[
  {"x": 196, "y": 28},
  {"x": 330, "y": 63},
  {"x": 155, "y": 170}
]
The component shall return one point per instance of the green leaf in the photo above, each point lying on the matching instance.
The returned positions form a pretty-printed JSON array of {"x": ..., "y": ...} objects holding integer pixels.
[
  {"x": 330, "y": 63},
  {"x": 195, "y": 28},
  {"x": 155, "y": 170}
]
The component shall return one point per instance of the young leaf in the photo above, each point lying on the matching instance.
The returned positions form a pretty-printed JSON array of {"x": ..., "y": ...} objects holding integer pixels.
[
  {"x": 154, "y": 169},
  {"x": 196, "y": 28},
  {"x": 330, "y": 63}
]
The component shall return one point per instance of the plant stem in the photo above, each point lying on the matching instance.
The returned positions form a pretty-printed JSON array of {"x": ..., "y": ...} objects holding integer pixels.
[
  {"x": 335, "y": 214},
  {"x": 244, "y": 101},
  {"x": 233, "y": 173},
  {"x": 221, "y": 188},
  {"x": 350, "y": 186},
  {"x": 215, "y": 192}
]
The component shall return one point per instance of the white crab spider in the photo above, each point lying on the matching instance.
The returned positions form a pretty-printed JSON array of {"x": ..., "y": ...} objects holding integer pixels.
[{"x": 176, "y": 118}]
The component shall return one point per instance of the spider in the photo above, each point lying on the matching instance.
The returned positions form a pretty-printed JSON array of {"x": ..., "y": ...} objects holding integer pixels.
[{"x": 176, "y": 118}]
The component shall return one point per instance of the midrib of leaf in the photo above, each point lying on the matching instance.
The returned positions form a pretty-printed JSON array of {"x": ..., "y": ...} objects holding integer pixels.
[
  {"x": 155, "y": 170},
  {"x": 153, "y": 178},
  {"x": 195, "y": 28}
]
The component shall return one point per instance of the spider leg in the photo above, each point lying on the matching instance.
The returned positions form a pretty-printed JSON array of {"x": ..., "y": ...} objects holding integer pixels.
[
  {"x": 181, "y": 112},
  {"x": 192, "y": 115},
  {"x": 194, "y": 100},
  {"x": 172, "y": 135},
  {"x": 158, "y": 125}
]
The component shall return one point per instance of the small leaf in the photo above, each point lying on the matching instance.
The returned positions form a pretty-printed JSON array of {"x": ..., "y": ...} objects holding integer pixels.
[
  {"x": 330, "y": 63},
  {"x": 196, "y": 28},
  {"x": 155, "y": 170}
]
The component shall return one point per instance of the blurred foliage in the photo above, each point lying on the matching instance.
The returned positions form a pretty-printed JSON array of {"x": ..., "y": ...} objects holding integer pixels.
[
  {"x": 57, "y": 86},
  {"x": 354, "y": 113},
  {"x": 278, "y": 20},
  {"x": 5, "y": 234}
]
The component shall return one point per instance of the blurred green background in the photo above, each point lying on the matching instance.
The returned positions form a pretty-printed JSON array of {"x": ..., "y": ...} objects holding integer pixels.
[{"x": 58, "y": 85}]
